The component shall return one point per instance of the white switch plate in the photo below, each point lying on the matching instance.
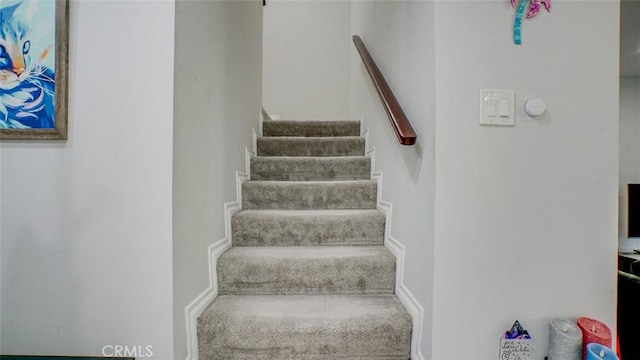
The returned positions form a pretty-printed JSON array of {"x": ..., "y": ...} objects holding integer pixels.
[{"x": 492, "y": 116}]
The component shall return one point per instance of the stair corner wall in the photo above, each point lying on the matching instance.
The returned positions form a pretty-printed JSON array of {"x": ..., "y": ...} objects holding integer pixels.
[{"x": 415, "y": 309}]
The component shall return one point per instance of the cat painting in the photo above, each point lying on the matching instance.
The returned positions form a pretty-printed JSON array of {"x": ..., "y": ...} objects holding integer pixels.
[{"x": 27, "y": 81}]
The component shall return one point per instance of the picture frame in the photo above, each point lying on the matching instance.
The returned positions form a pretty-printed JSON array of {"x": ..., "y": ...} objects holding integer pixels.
[{"x": 50, "y": 112}]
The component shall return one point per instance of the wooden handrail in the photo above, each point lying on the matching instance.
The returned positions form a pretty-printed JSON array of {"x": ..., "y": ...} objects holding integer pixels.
[{"x": 401, "y": 125}]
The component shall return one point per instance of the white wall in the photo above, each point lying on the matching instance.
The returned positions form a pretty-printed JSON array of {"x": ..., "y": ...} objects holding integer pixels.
[
  {"x": 526, "y": 216},
  {"x": 306, "y": 59},
  {"x": 629, "y": 152},
  {"x": 86, "y": 224},
  {"x": 400, "y": 37},
  {"x": 218, "y": 67}
]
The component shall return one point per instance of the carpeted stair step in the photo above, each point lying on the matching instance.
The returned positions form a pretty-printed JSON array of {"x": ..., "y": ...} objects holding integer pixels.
[
  {"x": 310, "y": 168},
  {"x": 311, "y": 146},
  {"x": 307, "y": 227},
  {"x": 306, "y": 195},
  {"x": 306, "y": 270},
  {"x": 328, "y": 327},
  {"x": 311, "y": 128}
]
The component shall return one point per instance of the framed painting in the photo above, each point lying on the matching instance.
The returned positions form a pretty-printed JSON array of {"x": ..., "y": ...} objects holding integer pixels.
[{"x": 33, "y": 69}]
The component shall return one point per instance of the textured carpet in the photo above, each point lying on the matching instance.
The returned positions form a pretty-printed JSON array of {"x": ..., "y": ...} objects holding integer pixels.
[
  {"x": 306, "y": 270},
  {"x": 307, "y": 276},
  {"x": 305, "y": 195},
  {"x": 305, "y": 327},
  {"x": 311, "y": 128},
  {"x": 310, "y": 168},
  {"x": 311, "y": 146},
  {"x": 307, "y": 227}
]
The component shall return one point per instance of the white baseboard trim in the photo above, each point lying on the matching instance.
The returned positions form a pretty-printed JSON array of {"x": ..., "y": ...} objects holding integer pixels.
[
  {"x": 398, "y": 250},
  {"x": 264, "y": 115},
  {"x": 256, "y": 135},
  {"x": 202, "y": 301}
]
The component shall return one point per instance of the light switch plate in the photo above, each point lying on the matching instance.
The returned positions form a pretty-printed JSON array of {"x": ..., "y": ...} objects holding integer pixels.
[{"x": 490, "y": 115}]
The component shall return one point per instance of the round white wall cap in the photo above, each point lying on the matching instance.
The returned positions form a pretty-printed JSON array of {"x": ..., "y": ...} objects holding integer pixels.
[{"x": 535, "y": 107}]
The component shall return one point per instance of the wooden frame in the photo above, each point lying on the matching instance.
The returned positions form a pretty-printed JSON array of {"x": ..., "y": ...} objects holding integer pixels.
[{"x": 59, "y": 129}]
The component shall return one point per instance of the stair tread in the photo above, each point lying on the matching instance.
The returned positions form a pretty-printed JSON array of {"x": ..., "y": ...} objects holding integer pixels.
[
  {"x": 305, "y": 326},
  {"x": 311, "y": 212},
  {"x": 300, "y": 253},
  {"x": 298, "y": 309},
  {"x": 313, "y": 121},
  {"x": 320, "y": 121},
  {"x": 310, "y": 183},
  {"x": 312, "y": 138},
  {"x": 311, "y": 128},
  {"x": 309, "y": 158}
]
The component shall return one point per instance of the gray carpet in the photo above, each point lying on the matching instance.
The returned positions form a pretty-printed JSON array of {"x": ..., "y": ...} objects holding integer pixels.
[
  {"x": 307, "y": 195},
  {"x": 310, "y": 168},
  {"x": 311, "y": 146},
  {"x": 307, "y": 276},
  {"x": 286, "y": 270},
  {"x": 307, "y": 227},
  {"x": 311, "y": 128}
]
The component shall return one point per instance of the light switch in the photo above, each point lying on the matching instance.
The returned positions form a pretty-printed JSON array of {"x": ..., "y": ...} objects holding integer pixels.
[
  {"x": 491, "y": 107},
  {"x": 497, "y": 107},
  {"x": 504, "y": 108}
]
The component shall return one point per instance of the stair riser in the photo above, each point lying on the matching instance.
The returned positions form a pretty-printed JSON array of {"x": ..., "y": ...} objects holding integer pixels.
[
  {"x": 311, "y": 128},
  {"x": 303, "y": 196},
  {"x": 310, "y": 169},
  {"x": 373, "y": 273},
  {"x": 291, "y": 146},
  {"x": 278, "y": 230},
  {"x": 298, "y": 346}
]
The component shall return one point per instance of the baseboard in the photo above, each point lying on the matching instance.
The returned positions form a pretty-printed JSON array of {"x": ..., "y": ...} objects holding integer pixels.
[
  {"x": 264, "y": 115},
  {"x": 202, "y": 301},
  {"x": 406, "y": 297},
  {"x": 398, "y": 250}
]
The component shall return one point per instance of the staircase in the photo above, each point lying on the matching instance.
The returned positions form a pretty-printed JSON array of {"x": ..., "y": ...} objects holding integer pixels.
[{"x": 308, "y": 276}]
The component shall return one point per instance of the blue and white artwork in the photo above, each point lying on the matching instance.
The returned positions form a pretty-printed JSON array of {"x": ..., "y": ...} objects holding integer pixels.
[{"x": 27, "y": 64}]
